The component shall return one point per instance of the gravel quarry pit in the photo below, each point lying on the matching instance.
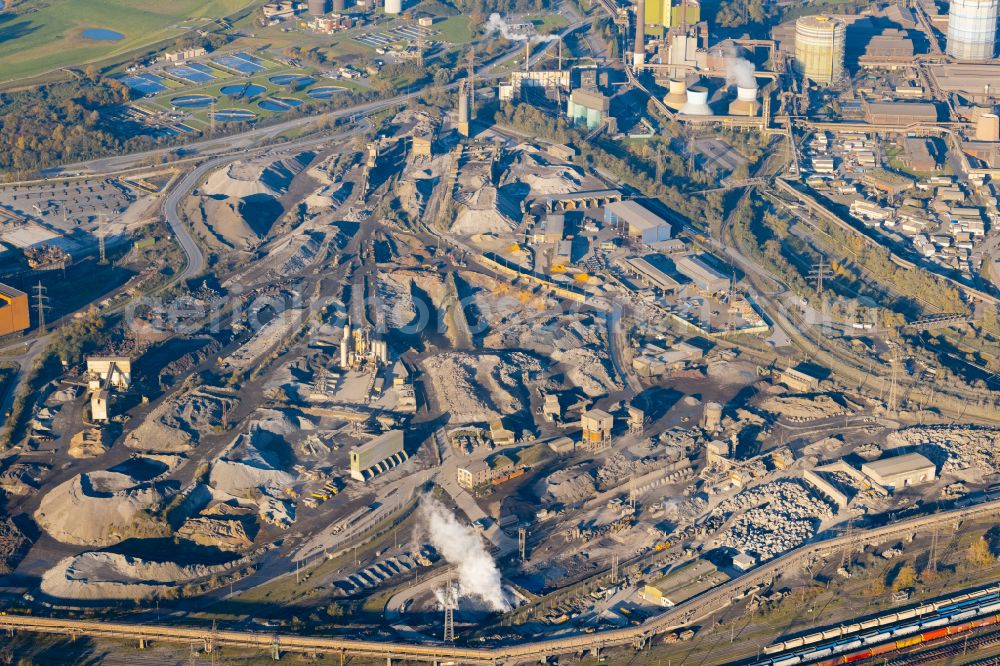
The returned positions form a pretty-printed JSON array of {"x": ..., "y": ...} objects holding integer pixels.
[
  {"x": 480, "y": 388},
  {"x": 177, "y": 424}
]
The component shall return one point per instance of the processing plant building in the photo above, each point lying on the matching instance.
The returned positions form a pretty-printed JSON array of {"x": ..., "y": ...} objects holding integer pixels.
[
  {"x": 640, "y": 223},
  {"x": 379, "y": 455},
  {"x": 13, "y": 310},
  {"x": 702, "y": 275},
  {"x": 908, "y": 469},
  {"x": 587, "y": 108}
]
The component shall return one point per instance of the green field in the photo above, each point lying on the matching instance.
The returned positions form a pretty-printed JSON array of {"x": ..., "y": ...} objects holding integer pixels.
[{"x": 50, "y": 37}]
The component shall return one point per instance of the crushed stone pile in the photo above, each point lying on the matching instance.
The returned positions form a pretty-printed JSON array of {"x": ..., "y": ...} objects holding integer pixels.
[
  {"x": 953, "y": 448},
  {"x": 100, "y": 509},
  {"x": 569, "y": 485},
  {"x": 772, "y": 518},
  {"x": 93, "y": 576},
  {"x": 800, "y": 408}
]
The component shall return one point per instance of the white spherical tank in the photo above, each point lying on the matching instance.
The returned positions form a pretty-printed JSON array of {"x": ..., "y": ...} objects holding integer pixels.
[
  {"x": 972, "y": 29},
  {"x": 697, "y": 102}
]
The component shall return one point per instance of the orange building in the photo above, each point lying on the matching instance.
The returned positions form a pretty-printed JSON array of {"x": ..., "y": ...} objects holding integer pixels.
[{"x": 13, "y": 310}]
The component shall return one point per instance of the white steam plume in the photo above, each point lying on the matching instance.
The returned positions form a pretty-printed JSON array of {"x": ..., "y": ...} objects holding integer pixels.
[
  {"x": 740, "y": 71},
  {"x": 496, "y": 24},
  {"x": 478, "y": 575}
]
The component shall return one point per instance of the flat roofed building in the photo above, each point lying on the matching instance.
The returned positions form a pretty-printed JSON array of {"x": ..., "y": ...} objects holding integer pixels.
[
  {"x": 744, "y": 562},
  {"x": 13, "y": 310},
  {"x": 377, "y": 456},
  {"x": 918, "y": 154},
  {"x": 900, "y": 113},
  {"x": 648, "y": 274},
  {"x": 551, "y": 229},
  {"x": 799, "y": 381},
  {"x": 888, "y": 182},
  {"x": 901, "y": 471},
  {"x": 474, "y": 474},
  {"x": 641, "y": 223},
  {"x": 701, "y": 274}
]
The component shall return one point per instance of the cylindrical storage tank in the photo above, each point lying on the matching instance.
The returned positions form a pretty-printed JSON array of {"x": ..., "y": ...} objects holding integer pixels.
[
  {"x": 393, "y": 6},
  {"x": 339, "y": 5},
  {"x": 318, "y": 7},
  {"x": 677, "y": 97},
  {"x": 988, "y": 127},
  {"x": 972, "y": 29},
  {"x": 697, "y": 102},
  {"x": 819, "y": 48}
]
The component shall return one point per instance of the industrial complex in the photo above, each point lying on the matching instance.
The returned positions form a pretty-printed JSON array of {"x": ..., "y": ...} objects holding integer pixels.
[{"x": 399, "y": 332}]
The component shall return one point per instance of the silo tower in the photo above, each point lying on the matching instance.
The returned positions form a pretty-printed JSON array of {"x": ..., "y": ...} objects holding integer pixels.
[
  {"x": 819, "y": 48},
  {"x": 972, "y": 29}
]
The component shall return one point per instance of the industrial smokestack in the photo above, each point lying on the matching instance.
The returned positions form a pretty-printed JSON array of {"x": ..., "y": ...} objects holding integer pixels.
[
  {"x": 639, "y": 53},
  {"x": 464, "y": 89}
]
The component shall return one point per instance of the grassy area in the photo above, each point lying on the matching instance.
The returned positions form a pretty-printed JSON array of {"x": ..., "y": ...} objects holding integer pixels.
[
  {"x": 454, "y": 29},
  {"x": 51, "y": 37},
  {"x": 547, "y": 23}
]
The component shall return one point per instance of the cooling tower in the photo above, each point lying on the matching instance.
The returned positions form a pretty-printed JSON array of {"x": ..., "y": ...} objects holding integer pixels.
[
  {"x": 697, "y": 102},
  {"x": 339, "y": 5},
  {"x": 746, "y": 94},
  {"x": 677, "y": 97},
  {"x": 745, "y": 103},
  {"x": 972, "y": 29},
  {"x": 819, "y": 48},
  {"x": 393, "y": 6}
]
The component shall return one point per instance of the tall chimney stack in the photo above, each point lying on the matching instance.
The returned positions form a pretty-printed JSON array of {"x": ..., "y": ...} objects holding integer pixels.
[{"x": 639, "y": 53}]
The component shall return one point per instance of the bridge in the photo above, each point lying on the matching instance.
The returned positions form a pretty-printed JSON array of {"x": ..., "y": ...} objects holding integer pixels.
[{"x": 938, "y": 321}]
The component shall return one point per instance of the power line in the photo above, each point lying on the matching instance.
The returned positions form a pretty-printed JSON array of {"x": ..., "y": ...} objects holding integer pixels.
[
  {"x": 41, "y": 305},
  {"x": 819, "y": 273}
]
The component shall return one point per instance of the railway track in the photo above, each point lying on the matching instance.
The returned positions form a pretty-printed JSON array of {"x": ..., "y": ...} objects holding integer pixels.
[
  {"x": 950, "y": 650},
  {"x": 638, "y": 636}
]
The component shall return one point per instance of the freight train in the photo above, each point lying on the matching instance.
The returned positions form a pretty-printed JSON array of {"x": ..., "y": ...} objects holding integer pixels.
[
  {"x": 935, "y": 608},
  {"x": 955, "y": 618}
]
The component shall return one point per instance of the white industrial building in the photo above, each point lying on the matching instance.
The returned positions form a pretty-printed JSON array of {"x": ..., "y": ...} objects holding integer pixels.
[
  {"x": 641, "y": 224},
  {"x": 901, "y": 471}
]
